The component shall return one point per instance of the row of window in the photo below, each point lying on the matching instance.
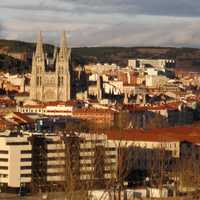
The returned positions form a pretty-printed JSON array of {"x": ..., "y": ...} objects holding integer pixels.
[{"x": 17, "y": 143}]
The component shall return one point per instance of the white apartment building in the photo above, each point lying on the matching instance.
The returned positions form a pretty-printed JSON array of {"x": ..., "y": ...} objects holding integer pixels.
[
  {"x": 157, "y": 63},
  {"x": 34, "y": 160},
  {"x": 15, "y": 161}
]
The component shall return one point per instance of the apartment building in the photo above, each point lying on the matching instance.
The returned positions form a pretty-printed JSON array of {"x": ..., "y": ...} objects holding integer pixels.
[
  {"x": 157, "y": 63},
  {"x": 98, "y": 160},
  {"x": 15, "y": 161},
  {"x": 55, "y": 161}
]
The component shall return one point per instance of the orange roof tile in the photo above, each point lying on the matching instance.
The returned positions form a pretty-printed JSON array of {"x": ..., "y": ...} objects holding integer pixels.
[{"x": 181, "y": 133}]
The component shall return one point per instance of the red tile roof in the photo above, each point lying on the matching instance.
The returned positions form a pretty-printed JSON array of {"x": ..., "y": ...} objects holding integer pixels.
[
  {"x": 22, "y": 117},
  {"x": 181, "y": 133},
  {"x": 137, "y": 107},
  {"x": 93, "y": 111}
]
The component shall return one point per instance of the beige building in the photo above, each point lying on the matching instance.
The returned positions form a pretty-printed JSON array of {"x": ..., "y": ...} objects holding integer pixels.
[
  {"x": 15, "y": 161},
  {"x": 98, "y": 159},
  {"x": 41, "y": 161},
  {"x": 100, "y": 68},
  {"x": 155, "y": 81},
  {"x": 157, "y": 63},
  {"x": 49, "y": 108},
  {"x": 48, "y": 85}
]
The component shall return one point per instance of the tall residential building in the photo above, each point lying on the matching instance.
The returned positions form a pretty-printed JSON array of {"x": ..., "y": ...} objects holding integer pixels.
[
  {"x": 45, "y": 161},
  {"x": 15, "y": 161},
  {"x": 48, "y": 85}
]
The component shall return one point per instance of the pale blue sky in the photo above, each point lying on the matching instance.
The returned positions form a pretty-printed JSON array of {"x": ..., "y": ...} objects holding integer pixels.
[{"x": 104, "y": 22}]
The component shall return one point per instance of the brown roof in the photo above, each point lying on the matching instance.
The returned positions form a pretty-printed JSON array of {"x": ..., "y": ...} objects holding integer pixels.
[
  {"x": 22, "y": 117},
  {"x": 93, "y": 111},
  {"x": 4, "y": 121},
  {"x": 181, "y": 133},
  {"x": 137, "y": 107}
]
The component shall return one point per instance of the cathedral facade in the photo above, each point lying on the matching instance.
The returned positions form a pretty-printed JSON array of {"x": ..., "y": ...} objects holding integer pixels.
[{"x": 54, "y": 85}]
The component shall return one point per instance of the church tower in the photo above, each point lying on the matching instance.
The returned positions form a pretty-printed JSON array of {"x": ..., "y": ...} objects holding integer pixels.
[
  {"x": 47, "y": 85},
  {"x": 38, "y": 69},
  {"x": 63, "y": 70}
]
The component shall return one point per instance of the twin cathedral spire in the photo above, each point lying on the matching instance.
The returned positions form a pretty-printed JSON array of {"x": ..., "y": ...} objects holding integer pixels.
[{"x": 48, "y": 85}]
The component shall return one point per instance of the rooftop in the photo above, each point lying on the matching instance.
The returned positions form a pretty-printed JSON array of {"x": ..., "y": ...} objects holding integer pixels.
[{"x": 179, "y": 133}]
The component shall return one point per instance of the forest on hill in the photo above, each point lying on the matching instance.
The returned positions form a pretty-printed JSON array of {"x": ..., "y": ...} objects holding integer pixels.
[{"x": 188, "y": 59}]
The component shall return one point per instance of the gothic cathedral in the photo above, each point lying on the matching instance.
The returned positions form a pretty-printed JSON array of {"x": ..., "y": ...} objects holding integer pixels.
[{"x": 54, "y": 85}]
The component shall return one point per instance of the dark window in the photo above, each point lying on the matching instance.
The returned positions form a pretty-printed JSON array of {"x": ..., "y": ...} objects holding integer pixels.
[
  {"x": 3, "y": 167},
  {"x": 55, "y": 174},
  {"x": 3, "y": 159},
  {"x": 53, "y": 142},
  {"x": 26, "y": 152},
  {"x": 26, "y": 159},
  {"x": 3, "y": 152},
  {"x": 56, "y": 158},
  {"x": 26, "y": 167},
  {"x": 55, "y": 151},
  {"x": 26, "y": 175},
  {"x": 17, "y": 143},
  {"x": 4, "y": 175},
  {"x": 37, "y": 81}
]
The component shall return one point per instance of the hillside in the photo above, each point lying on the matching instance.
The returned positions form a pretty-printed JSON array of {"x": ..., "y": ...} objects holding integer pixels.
[{"x": 15, "y": 56}]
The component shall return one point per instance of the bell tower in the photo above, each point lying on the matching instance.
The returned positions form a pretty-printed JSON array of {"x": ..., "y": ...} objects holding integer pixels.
[
  {"x": 63, "y": 70},
  {"x": 38, "y": 69}
]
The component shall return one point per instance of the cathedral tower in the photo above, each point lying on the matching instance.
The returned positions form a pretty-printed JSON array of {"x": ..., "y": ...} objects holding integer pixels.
[{"x": 48, "y": 85}]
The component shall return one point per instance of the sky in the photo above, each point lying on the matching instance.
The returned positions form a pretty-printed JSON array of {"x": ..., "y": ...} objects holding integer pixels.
[{"x": 103, "y": 22}]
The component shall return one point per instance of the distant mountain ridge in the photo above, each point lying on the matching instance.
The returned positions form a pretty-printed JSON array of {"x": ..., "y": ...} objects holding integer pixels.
[{"x": 15, "y": 56}]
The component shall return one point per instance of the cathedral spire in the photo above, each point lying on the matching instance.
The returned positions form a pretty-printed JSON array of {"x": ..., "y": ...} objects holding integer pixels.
[
  {"x": 39, "y": 45},
  {"x": 63, "y": 44}
]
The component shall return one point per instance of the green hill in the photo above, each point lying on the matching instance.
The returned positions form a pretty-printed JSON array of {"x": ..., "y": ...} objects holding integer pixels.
[{"x": 187, "y": 58}]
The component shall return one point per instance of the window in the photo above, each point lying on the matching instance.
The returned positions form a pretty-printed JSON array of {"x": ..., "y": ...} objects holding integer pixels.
[
  {"x": 26, "y": 167},
  {"x": 26, "y": 151},
  {"x": 37, "y": 81},
  {"x": 4, "y": 167},
  {"x": 26, "y": 159},
  {"x": 3, "y": 152},
  {"x": 26, "y": 175},
  {"x": 3, "y": 159},
  {"x": 17, "y": 143},
  {"x": 4, "y": 175}
]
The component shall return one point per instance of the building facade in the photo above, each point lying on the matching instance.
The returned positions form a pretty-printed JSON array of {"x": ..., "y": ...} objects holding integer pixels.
[
  {"x": 15, "y": 161},
  {"x": 51, "y": 85},
  {"x": 37, "y": 161}
]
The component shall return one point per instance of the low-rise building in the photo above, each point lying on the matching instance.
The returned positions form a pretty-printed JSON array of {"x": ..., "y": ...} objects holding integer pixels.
[
  {"x": 156, "y": 63},
  {"x": 104, "y": 117},
  {"x": 155, "y": 81},
  {"x": 50, "y": 108}
]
